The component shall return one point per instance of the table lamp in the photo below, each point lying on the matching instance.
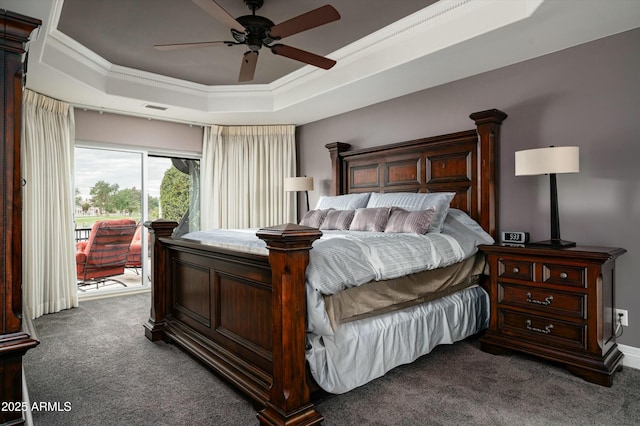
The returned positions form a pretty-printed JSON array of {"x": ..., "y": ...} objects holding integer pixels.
[
  {"x": 551, "y": 160},
  {"x": 299, "y": 184}
]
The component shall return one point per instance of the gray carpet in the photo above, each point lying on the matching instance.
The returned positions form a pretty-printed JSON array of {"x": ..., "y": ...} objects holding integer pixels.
[{"x": 97, "y": 358}]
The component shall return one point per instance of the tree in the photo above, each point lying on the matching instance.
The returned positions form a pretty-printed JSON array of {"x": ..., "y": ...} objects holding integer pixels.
[
  {"x": 154, "y": 203},
  {"x": 174, "y": 194},
  {"x": 101, "y": 195},
  {"x": 127, "y": 200}
]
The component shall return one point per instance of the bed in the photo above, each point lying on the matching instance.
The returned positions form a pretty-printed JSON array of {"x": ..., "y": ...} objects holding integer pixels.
[{"x": 243, "y": 311}]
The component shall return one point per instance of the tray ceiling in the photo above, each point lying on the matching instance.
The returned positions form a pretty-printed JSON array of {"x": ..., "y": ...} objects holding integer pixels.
[{"x": 99, "y": 54}]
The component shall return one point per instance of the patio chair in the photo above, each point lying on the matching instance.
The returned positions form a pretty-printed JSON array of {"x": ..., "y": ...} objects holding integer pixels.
[
  {"x": 134, "y": 261},
  {"x": 105, "y": 254}
]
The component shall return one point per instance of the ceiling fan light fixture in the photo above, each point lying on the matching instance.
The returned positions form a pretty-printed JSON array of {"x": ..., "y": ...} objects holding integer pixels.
[
  {"x": 254, "y": 43},
  {"x": 256, "y": 31}
]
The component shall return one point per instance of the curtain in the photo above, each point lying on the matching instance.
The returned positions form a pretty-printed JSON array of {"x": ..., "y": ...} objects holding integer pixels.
[
  {"x": 48, "y": 249},
  {"x": 243, "y": 170},
  {"x": 209, "y": 193}
]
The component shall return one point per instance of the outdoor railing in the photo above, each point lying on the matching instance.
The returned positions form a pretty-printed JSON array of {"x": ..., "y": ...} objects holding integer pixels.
[{"x": 82, "y": 234}]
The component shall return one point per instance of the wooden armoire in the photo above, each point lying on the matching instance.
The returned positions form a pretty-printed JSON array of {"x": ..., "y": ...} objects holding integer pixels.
[{"x": 16, "y": 334}]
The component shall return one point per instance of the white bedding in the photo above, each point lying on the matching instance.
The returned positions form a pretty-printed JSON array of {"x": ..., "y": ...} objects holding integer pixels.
[
  {"x": 342, "y": 259},
  {"x": 360, "y": 351}
]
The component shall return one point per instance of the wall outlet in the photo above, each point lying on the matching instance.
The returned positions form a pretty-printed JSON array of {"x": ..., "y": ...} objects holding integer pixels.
[{"x": 623, "y": 316}]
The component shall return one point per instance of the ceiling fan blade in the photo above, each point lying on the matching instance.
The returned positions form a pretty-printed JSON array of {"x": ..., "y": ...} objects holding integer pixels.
[
  {"x": 215, "y": 10},
  {"x": 303, "y": 56},
  {"x": 178, "y": 46},
  {"x": 306, "y": 21},
  {"x": 248, "y": 68}
]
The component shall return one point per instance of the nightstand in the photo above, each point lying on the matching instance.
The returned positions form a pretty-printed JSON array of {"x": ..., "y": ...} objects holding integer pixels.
[{"x": 556, "y": 304}]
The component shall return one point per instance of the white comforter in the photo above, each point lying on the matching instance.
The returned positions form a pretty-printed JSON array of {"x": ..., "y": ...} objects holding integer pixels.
[{"x": 342, "y": 259}]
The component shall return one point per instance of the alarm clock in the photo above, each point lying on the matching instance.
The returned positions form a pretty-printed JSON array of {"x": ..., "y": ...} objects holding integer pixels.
[{"x": 515, "y": 237}]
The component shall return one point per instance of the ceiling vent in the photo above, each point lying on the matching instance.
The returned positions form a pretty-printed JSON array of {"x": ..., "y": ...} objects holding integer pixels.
[{"x": 156, "y": 107}]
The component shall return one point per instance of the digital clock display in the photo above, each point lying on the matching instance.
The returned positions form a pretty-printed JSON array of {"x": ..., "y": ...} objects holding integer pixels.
[{"x": 515, "y": 237}]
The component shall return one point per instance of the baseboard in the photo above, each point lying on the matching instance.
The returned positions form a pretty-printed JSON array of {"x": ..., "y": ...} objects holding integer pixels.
[
  {"x": 631, "y": 356},
  {"x": 102, "y": 294}
]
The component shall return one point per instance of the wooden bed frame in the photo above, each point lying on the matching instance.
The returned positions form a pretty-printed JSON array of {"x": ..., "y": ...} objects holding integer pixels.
[{"x": 244, "y": 314}]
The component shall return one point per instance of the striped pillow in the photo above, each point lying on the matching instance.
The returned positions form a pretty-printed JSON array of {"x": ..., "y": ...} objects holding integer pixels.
[
  {"x": 314, "y": 218},
  {"x": 401, "y": 220},
  {"x": 373, "y": 220},
  {"x": 338, "y": 219},
  {"x": 413, "y": 201}
]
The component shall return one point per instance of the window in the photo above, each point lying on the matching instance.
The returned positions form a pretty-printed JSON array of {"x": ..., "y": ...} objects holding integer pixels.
[{"x": 117, "y": 183}]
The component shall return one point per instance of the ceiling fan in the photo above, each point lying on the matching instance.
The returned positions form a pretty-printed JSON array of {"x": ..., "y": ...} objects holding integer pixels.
[{"x": 256, "y": 31}]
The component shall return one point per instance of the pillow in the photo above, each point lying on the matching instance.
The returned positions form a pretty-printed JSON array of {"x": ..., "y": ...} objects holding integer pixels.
[
  {"x": 412, "y": 201},
  {"x": 373, "y": 220},
  {"x": 344, "y": 202},
  {"x": 401, "y": 220},
  {"x": 314, "y": 218},
  {"x": 338, "y": 219}
]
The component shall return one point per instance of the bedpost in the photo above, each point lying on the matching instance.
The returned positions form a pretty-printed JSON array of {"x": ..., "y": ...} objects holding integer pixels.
[
  {"x": 337, "y": 168},
  {"x": 154, "y": 328},
  {"x": 289, "y": 402},
  {"x": 488, "y": 127}
]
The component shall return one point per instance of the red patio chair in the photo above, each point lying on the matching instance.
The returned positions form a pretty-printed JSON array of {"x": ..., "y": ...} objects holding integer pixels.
[
  {"x": 105, "y": 254},
  {"x": 134, "y": 261}
]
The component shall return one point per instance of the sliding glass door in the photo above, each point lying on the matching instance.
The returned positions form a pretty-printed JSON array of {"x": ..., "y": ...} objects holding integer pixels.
[
  {"x": 174, "y": 191},
  {"x": 108, "y": 187},
  {"x": 136, "y": 184}
]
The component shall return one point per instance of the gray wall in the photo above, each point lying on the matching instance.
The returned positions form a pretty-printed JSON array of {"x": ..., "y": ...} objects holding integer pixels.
[
  {"x": 91, "y": 126},
  {"x": 587, "y": 96}
]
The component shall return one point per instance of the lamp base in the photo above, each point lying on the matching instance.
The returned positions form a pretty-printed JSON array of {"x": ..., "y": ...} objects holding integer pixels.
[{"x": 553, "y": 243}]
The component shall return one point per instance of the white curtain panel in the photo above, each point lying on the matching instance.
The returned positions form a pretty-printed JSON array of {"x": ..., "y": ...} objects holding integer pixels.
[
  {"x": 48, "y": 249},
  {"x": 243, "y": 176},
  {"x": 209, "y": 185}
]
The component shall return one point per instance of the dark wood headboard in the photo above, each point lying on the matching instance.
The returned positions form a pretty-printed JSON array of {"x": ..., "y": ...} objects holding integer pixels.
[{"x": 464, "y": 162}]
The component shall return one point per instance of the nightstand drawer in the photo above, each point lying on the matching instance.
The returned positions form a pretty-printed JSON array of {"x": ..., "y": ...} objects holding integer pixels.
[
  {"x": 547, "y": 331},
  {"x": 546, "y": 301},
  {"x": 515, "y": 269},
  {"x": 564, "y": 275}
]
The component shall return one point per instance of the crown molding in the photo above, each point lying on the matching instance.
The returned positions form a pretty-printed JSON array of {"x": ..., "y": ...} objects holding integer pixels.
[
  {"x": 412, "y": 37},
  {"x": 451, "y": 39}
]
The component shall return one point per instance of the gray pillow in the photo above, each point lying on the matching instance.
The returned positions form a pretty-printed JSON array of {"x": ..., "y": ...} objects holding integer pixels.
[
  {"x": 373, "y": 220},
  {"x": 314, "y": 218},
  {"x": 413, "y": 201},
  {"x": 343, "y": 202},
  {"x": 338, "y": 219},
  {"x": 401, "y": 220}
]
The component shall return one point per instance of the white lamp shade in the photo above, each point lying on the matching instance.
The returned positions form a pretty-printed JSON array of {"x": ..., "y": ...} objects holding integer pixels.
[
  {"x": 554, "y": 159},
  {"x": 303, "y": 183}
]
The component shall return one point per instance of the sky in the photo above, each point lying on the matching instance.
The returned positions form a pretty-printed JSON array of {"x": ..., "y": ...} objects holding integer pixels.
[{"x": 123, "y": 168}]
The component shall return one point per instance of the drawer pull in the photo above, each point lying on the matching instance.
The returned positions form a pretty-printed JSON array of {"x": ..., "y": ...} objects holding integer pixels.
[
  {"x": 516, "y": 270},
  {"x": 547, "y": 329},
  {"x": 546, "y": 302},
  {"x": 563, "y": 275}
]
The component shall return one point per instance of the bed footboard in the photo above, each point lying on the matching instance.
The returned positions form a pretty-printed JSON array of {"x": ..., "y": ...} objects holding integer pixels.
[{"x": 242, "y": 314}]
